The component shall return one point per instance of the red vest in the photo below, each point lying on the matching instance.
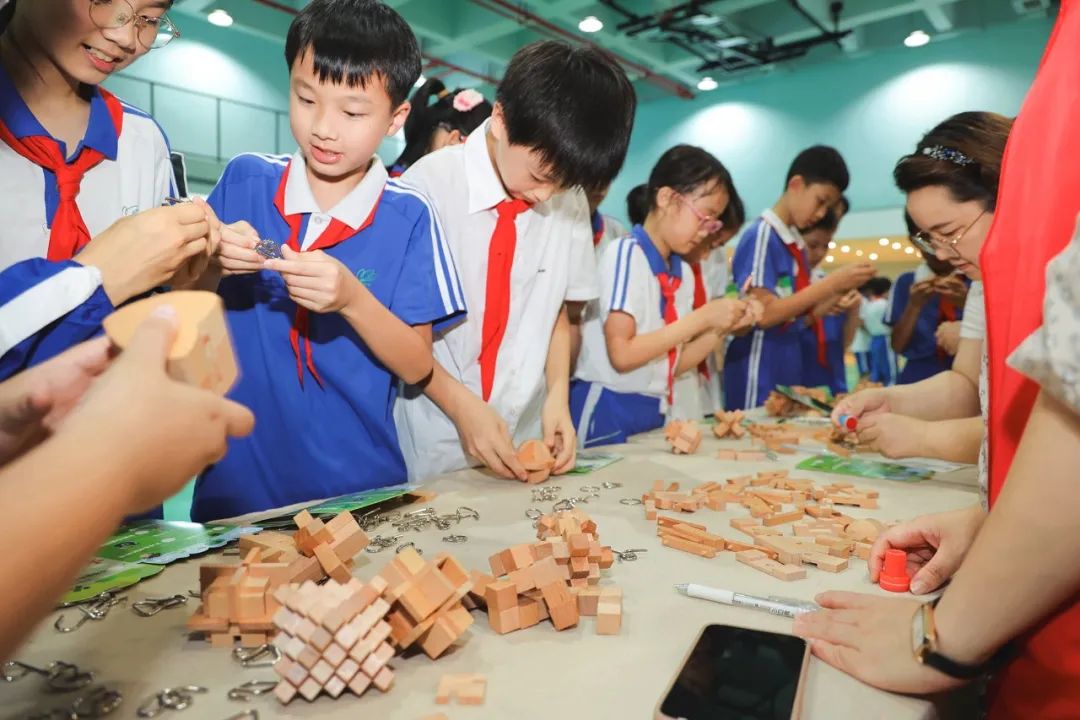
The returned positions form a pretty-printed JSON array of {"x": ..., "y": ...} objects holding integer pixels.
[{"x": 1038, "y": 203}]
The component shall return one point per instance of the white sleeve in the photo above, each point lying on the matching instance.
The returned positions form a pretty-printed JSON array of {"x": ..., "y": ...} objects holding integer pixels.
[
  {"x": 164, "y": 178},
  {"x": 626, "y": 281},
  {"x": 582, "y": 282},
  {"x": 973, "y": 324}
]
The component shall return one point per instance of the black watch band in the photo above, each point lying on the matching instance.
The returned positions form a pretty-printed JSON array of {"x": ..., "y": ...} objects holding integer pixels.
[{"x": 961, "y": 671}]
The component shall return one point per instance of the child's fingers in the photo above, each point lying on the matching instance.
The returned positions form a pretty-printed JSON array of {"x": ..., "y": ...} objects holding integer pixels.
[
  {"x": 307, "y": 282},
  {"x": 296, "y": 267}
]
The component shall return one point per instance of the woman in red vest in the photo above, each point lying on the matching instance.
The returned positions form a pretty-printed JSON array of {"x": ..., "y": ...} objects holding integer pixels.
[{"x": 1014, "y": 610}]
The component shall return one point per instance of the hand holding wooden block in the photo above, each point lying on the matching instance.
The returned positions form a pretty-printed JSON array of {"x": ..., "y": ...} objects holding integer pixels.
[
  {"x": 537, "y": 460},
  {"x": 202, "y": 353}
]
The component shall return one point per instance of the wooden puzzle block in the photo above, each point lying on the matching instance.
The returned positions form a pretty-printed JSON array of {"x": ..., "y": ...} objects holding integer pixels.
[
  {"x": 862, "y": 550},
  {"x": 759, "y": 561},
  {"x": 865, "y": 531},
  {"x": 201, "y": 354},
  {"x": 609, "y": 616},
  {"x": 683, "y": 436},
  {"x": 783, "y": 517},
  {"x": 504, "y": 621},
  {"x": 825, "y": 562},
  {"x": 688, "y": 546},
  {"x": 838, "y": 547},
  {"x": 537, "y": 460},
  {"x": 467, "y": 689}
]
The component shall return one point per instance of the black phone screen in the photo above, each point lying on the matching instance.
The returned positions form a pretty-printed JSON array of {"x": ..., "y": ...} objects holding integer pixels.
[{"x": 738, "y": 674}]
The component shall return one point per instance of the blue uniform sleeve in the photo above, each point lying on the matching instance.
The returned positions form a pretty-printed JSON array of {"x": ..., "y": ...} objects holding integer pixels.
[
  {"x": 428, "y": 289},
  {"x": 898, "y": 298},
  {"x": 757, "y": 257},
  {"x": 45, "y": 308}
]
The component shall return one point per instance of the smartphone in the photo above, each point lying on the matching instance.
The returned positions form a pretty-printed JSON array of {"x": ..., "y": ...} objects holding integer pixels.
[{"x": 733, "y": 673}]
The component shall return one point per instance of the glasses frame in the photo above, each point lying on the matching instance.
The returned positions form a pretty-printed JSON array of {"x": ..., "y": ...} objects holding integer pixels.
[
  {"x": 165, "y": 26},
  {"x": 926, "y": 242},
  {"x": 711, "y": 224}
]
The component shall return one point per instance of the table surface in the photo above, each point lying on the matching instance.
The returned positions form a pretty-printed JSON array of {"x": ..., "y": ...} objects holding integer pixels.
[{"x": 534, "y": 673}]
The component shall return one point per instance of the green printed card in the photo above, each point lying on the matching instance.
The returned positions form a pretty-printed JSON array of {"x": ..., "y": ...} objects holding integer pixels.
[{"x": 858, "y": 467}]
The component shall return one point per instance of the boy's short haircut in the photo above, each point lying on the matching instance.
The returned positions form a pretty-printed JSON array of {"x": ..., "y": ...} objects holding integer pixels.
[
  {"x": 735, "y": 214},
  {"x": 820, "y": 164},
  {"x": 572, "y": 105},
  {"x": 355, "y": 42},
  {"x": 637, "y": 204},
  {"x": 879, "y": 285}
]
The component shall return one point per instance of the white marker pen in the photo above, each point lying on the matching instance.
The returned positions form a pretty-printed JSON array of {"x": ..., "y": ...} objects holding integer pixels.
[{"x": 785, "y": 607}]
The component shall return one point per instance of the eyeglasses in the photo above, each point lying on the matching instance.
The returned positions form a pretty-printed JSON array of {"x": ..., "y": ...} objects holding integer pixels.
[
  {"x": 930, "y": 243},
  {"x": 152, "y": 32},
  {"x": 707, "y": 222}
]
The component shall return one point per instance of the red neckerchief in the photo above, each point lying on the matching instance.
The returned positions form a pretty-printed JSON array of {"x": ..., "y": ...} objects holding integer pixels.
[
  {"x": 336, "y": 232},
  {"x": 668, "y": 286},
  {"x": 68, "y": 234},
  {"x": 497, "y": 292},
  {"x": 699, "y": 300},
  {"x": 802, "y": 281},
  {"x": 597, "y": 228}
]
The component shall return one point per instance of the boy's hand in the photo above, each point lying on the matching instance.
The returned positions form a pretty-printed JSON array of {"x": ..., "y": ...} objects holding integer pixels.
[
  {"x": 161, "y": 432},
  {"x": 851, "y": 300},
  {"x": 559, "y": 435},
  {"x": 921, "y": 292},
  {"x": 485, "y": 437},
  {"x": 315, "y": 280},
  {"x": 236, "y": 253},
  {"x": 138, "y": 253},
  {"x": 852, "y": 277},
  {"x": 724, "y": 314},
  {"x": 894, "y": 436},
  {"x": 35, "y": 401}
]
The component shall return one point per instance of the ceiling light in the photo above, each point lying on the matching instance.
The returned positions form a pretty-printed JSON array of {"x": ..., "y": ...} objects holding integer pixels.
[
  {"x": 845, "y": 249},
  {"x": 883, "y": 242},
  {"x": 873, "y": 256},
  {"x": 419, "y": 81},
  {"x": 917, "y": 38},
  {"x": 590, "y": 24},
  {"x": 832, "y": 245},
  {"x": 858, "y": 253},
  {"x": 220, "y": 17},
  {"x": 706, "y": 84},
  {"x": 704, "y": 20},
  {"x": 909, "y": 250},
  {"x": 829, "y": 258},
  {"x": 896, "y": 246}
]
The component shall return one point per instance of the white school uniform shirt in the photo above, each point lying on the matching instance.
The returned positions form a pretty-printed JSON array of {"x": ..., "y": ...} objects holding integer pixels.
[
  {"x": 613, "y": 230},
  {"x": 553, "y": 263},
  {"x": 628, "y": 284},
  {"x": 135, "y": 175}
]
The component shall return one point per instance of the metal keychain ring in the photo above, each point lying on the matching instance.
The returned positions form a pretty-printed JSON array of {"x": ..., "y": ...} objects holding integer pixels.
[
  {"x": 563, "y": 505},
  {"x": 97, "y": 703},
  {"x": 407, "y": 545},
  {"x": 456, "y": 538},
  {"x": 14, "y": 670},
  {"x": 608, "y": 485},
  {"x": 533, "y": 514},
  {"x": 589, "y": 489},
  {"x": 631, "y": 501},
  {"x": 65, "y": 677},
  {"x": 464, "y": 512}
]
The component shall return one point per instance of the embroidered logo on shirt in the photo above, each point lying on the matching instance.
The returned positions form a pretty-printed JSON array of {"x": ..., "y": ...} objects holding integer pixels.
[{"x": 365, "y": 276}]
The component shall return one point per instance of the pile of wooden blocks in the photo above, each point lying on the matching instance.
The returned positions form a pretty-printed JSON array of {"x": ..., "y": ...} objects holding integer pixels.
[
  {"x": 822, "y": 536},
  {"x": 237, "y": 601},
  {"x": 684, "y": 436},
  {"x": 426, "y": 601},
  {"x": 333, "y": 637},
  {"x": 729, "y": 425},
  {"x": 556, "y": 578},
  {"x": 711, "y": 495},
  {"x": 316, "y": 550},
  {"x": 466, "y": 689},
  {"x": 779, "y": 405},
  {"x": 537, "y": 460}
]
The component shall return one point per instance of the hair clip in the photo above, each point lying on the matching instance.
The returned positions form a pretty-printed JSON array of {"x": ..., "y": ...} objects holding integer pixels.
[
  {"x": 467, "y": 99},
  {"x": 948, "y": 155}
]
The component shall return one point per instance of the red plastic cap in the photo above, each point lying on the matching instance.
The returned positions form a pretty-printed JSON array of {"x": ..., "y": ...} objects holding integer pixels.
[
  {"x": 894, "y": 576},
  {"x": 850, "y": 422}
]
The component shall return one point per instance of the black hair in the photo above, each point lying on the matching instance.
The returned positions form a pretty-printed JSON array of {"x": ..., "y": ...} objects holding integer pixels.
[
  {"x": 426, "y": 117},
  {"x": 637, "y": 204},
  {"x": 735, "y": 214},
  {"x": 6, "y": 13},
  {"x": 684, "y": 169},
  {"x": 962, "y": 154},
  {"x": 828, "y": 222},
  {"x": 879, "y": 285},
  {"x": 912, "y": 228},
  {"x": 820, "y": 164},
  {"x": 354, "y": 42},
  {"x": 573, "y": 106}
]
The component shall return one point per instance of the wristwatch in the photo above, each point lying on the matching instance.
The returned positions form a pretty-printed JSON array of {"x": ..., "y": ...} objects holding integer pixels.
[{"x": 924, "y": 644}]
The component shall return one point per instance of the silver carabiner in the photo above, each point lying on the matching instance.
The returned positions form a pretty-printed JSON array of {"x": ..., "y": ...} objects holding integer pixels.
[
  {"x": 609, "y": 485},
  {"x": 408, "y": 545},
  {"x": 151, "y": 606},
  {"x": 631, "y": 501},
  {"x": 467, "y": 512},
  {"x": 66, "y": 677},
  {"x": 97, "y": 703},
  {"x": 261, "y": 656},
  {"x": 533, "y": 514},
  {"x": 628, "y": 555},
  {"x": 456, "y": 538},
  {"x": 251, "y": 689}
]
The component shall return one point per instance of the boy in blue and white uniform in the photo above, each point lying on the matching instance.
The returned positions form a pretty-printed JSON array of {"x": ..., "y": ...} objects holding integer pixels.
[{"x": 324, "y": 333}]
